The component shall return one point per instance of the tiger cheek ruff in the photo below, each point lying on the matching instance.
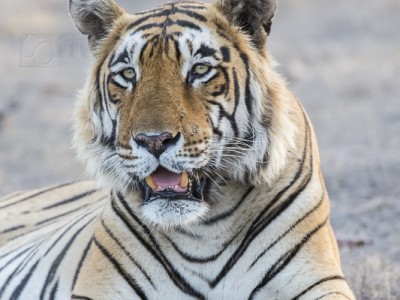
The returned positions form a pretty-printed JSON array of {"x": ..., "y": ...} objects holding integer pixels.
[{"x": 208, "y": 167}]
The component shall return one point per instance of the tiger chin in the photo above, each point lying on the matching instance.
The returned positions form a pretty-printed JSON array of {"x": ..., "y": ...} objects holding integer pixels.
[{"x": 210, "y": 169}]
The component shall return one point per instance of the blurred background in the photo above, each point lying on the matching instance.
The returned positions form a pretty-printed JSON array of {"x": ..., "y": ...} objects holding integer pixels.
[{"x": 341, "y": 58}]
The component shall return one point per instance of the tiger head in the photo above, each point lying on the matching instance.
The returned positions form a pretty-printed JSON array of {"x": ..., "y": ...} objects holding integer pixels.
[{"x": 181, "y": 97}]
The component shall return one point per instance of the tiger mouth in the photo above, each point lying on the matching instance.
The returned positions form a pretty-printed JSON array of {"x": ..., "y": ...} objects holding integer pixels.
[{"x": 164, "y": 184}]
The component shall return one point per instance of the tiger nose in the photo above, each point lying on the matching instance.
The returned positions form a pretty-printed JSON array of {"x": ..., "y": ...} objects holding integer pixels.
[{"x": 156, "y": 144}]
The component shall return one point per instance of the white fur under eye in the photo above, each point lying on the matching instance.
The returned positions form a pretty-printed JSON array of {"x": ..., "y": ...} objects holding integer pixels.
[
  {"x": 200, "y": 80},
  {"x": 122, "y": 81}
]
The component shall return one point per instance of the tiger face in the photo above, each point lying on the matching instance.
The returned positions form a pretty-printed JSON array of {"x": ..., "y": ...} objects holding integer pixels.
[{"x": 177, "y": 104}]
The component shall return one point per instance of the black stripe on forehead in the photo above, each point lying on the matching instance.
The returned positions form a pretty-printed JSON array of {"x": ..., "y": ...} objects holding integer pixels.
[
  {"x": 168, "y": 12},
  {"x": 123, "y": 57},
  {"x": 226, "y": 54},
  {"x": 205, "y": 51},
  {"x": 167, "y": 23}
]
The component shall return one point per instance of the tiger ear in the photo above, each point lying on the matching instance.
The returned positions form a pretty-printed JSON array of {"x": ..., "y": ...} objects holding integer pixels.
[
  {"x": 94, "y": 18},
  {"x": 253, "y": 16}
]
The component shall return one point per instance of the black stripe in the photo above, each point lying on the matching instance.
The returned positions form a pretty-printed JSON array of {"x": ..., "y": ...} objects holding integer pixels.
[
  {"x": 227, "y": 79},
  {"x": 189, "y": 44},
  {"x": 37, "y": 194},
  {"x": 291, "y": 227},
  {"x": 337, "y": 277},
  {"x": 178, "y": 54},
  {"x": 228, "y": 213},
  {"x": 83, "y": 257},
  {"x": 104, "y": 97},
  {"x": 78, "y": 297},
  {"x": 54, "y": 291},
  {"x": 148, "y": 26},
  {"x": 193, "y": 7},
  {"x": 221, "y": 91},
  {"x": 120, "y": 59},
  {"x": 237, "y": 99},
  {"x": 11, "y": 276},
  {"x": 102, "y": 104},
  {"x": 57, "y": 261},
  {"x": 60, "y": 215},
  {"x": 192, "y": 235},
  {"x": 284, "y": 260},
  {"x": 334, "y": 293},
  {"x": 38, "y": 227},
  {"x": 138, "y": 22},
  {"x": 12, "y": 229},
  {"x": 131, "y": 281},
  {"x": 191, "y": 14},
  {"x": 27, "y": 259},
  {"x": 249, "y": 100},
  {"x": 222, "y": 112},
  {"x": 64, "y": 232},
  {"x": 216, "y": 130},
  {"x": 24, "y": 233},
  {"x": 188, "y": 24},
  {"x": 15, "y": 257},
  {"x": 112, "y": 80},
  {"x": 17, "y": 292},
  {"x": 155, "y": 251},
  {"x": 202, "y": 260},
  {"x": 226, "y": 54},
  {"x": 206, "y": 51},
  {"x": 153, "y": 47},
  {"x": 66, "y": 213},
  {"x": 13, "y": 195},
  {"x": 99, "y": 100},
  {"x": 112, "y": 98},
  {"x": 166, "y": 24},
  {"x": 211, "y": 78},
  {"x": 118, "y": 242},
  {"x": 144, "y": 47},
  {"x": 107, "y": 140},
  {"x": 8, "y": 253},
  {"x": 69, "y": 200},
  {"x": 167, "y": 13},
  {"x": 109, "y": 61}
]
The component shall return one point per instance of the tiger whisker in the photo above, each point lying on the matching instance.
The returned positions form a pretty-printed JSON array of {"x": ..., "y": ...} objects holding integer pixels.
[
  {"x": 231, "y": 163},
  {"x": 209, "y": 177}
]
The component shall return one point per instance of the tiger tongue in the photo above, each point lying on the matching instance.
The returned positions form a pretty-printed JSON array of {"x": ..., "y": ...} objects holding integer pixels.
[{"x": 163, "y": 177}]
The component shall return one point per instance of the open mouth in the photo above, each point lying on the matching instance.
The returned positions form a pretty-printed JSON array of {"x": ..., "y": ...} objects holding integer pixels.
[{"x": 164, "y": 184}]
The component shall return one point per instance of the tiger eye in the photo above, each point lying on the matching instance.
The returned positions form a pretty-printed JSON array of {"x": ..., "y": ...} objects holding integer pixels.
[
  {"x": 129, "y": 73},
  {"x": 201, "y": 69}
]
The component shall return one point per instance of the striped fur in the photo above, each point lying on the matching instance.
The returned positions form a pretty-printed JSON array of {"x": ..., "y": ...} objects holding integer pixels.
[{"x": 262, "y": 231}]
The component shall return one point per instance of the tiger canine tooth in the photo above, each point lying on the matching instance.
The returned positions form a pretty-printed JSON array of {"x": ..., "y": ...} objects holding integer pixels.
[
  {"x": 150, "y": 182},
  {"x": 184, "y": 180}
]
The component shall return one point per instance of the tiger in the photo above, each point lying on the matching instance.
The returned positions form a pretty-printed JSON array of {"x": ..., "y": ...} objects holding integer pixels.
[{"x": 208, "y": 180}]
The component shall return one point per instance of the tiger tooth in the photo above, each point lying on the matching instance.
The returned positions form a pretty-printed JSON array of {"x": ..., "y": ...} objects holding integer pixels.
[
  {"x": 150, "y": 182},
  {"x": 184, "y": 180}
]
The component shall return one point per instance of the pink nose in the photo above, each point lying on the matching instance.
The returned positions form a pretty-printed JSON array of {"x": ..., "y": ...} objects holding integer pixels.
[{"x": 156, "y": 144}]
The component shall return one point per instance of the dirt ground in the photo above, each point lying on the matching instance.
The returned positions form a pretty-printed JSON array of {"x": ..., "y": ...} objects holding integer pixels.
[{"x": 341, "y": 58}]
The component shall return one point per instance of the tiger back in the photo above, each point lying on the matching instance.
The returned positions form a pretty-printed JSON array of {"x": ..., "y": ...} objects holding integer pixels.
[{"x": 209, "y": 180}]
